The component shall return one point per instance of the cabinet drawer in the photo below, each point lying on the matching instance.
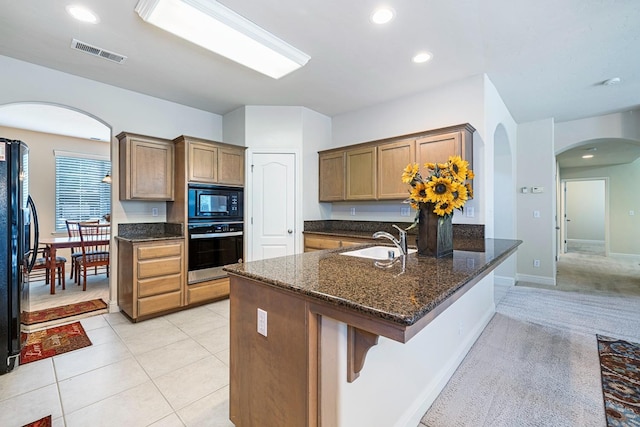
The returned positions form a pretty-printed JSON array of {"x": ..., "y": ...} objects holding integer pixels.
[
  {"x": 147, "y": 252},
  {"x": 321, "y": 243},
  {"x": 159, "y": 267},
  {"x": 159, "y": 285},
  {"x": 207, "y": 291},
  {"x": 158, "y": 303}
]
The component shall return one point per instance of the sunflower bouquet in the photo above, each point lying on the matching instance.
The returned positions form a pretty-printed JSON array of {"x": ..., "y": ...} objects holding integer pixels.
[{"x": 445, "y": 186}]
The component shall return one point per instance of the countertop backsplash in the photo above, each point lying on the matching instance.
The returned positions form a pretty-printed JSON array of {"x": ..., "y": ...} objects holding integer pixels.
[{"x": 467, "y": 231}]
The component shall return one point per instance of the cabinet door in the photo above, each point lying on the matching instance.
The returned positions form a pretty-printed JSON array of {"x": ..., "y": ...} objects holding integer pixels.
[
  {"x": 392, "y": 159},
  {"x": 361, "y": 174},
  {"x": 150, "y": 172},
  {"x": 230, "y": 166},
  {"x": 203, "y": 163},
  {"x": 331, "y": 181},
  {"x": 438, "y": 148}
]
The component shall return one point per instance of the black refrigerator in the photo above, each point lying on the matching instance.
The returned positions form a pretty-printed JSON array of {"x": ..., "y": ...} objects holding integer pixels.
[{"x": 17, "y": 247}]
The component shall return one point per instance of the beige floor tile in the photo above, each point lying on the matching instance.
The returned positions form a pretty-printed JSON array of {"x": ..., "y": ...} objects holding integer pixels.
[
  {"x": 187, "y": 316},
  {"x": 87, "y": 359},
  {"x": 31, "y": 406},
  {"x": 103, "y": 335},
  {"x": 25, "y": 378},
  {"x": 93, "y": 322},
  {"x": 223, "y": 356},
  {"x": 204, "y": 325},
  {"x": 214, "y": 340},
  {"x": 192, "y": 382},
  {"x": 210, "y": 411},
  {"x": 132, "y": 330},
  {"x": 171, "y": 357},
  {"x": 220, "y": 307},
  {"x": 58, "y": 422},
  {"x": 116, "y": 318},
  {"x": 138, "y": 406},
  {"x": 171, "y": 421},
  {"x": 154, "y": 339},
  {"x": 93, "y": 386}
]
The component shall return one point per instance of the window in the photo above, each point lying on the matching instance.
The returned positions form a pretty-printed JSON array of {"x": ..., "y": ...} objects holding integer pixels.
[{"x": 80, "y": 192}]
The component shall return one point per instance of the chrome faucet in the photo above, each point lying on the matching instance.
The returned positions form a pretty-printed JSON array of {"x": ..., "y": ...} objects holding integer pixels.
[{"x": 401, "y": 242}]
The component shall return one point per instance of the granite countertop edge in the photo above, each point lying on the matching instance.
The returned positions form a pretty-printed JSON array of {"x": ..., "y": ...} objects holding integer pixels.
[
  {"x": 403, "y": 320},
  {"x": 139, "y": 239}
]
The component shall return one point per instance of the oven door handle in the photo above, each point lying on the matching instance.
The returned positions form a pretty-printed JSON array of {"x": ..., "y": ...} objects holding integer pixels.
[{"x": 215, "y": 235}]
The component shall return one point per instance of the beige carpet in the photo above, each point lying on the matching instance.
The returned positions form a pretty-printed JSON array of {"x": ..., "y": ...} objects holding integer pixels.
[{"x": 536, "y": 363}]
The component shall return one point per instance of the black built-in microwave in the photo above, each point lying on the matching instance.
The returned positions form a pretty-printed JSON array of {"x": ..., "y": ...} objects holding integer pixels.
[{"x": 215, "y": 203}]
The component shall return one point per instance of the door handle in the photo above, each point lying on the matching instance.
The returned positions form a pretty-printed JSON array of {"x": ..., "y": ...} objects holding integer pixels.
[{"x": 289, "y": 231}]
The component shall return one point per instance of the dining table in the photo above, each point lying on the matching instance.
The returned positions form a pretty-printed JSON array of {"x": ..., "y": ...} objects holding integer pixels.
[{"x": 55, "y": 243}]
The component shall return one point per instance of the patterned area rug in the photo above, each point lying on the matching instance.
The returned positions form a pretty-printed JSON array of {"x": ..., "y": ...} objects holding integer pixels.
[
  {"x": 42, "y": 422},
  {"x": 53, "y": 341},
  {"x": 620, "y": 367},
  {"x": 69, "y": 310}
]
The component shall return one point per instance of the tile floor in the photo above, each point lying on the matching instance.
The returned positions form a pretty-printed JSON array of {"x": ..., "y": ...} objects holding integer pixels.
[{"x": 168, "y": 371}]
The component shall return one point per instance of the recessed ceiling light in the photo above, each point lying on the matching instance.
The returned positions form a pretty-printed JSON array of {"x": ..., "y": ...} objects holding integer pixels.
[
  {"x": 612, "y": 81},
  {"x": 382, "y": 15},
  {"x": 422, "y": 57},
  {"x": 82, "y": 14},
  {"x": 587, "y": 156}
]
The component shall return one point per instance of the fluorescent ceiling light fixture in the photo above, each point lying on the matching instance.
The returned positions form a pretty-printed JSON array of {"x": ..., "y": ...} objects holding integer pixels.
[
  {"x": 82, "y": 14},
  {"x": 217, "y": 28},
  {"x": 422, "y": 57},
  {"x": 382, "y": 15}
]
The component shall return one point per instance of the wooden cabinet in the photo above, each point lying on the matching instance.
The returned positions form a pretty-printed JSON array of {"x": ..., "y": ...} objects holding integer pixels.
[
  {"x": 146, "y": 167},
  {"x": 392, "y": 159},
  {"x": 373, "y": 170},
  {"x": 207, "y": 291},
  {"x": 211, "y": 162},
  {"x": 332, "y": 179},
  {"x": 318, "y": 242},
  {"x": 151, "y": 277},
  {"x": 361, "y": 174},
  {"x": 437, "y": 148}
]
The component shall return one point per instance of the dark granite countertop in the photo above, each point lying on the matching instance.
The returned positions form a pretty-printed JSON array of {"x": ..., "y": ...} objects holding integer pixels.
[
  {"x": 151, "y": 231},
  {"x": 402, "y": 296}
]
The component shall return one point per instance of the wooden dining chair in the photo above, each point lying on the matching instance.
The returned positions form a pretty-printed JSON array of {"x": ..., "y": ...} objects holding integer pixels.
[
  {"x": 43, "y": 262},
  {"x": 76, "y": 253},
  {"x": 94, "y": 242}
]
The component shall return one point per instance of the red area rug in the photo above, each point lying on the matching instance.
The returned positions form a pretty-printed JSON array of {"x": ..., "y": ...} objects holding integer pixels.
[
  {"x": 42, "y": 422},
  {"x": 620, "y": 368},
  {"x": 53, "y": 341},
  {"x": 69, "y": 310}
]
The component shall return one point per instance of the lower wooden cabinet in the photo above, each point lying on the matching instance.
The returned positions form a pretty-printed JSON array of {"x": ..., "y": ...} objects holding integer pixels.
[
  {"x": 318, "y": 242},
  {"x": 207, "y": 291},
  {"x": 151, "y": 277}
]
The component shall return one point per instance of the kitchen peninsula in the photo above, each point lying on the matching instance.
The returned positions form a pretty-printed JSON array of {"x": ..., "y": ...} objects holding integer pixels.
[{"x": 345, "y": 343}]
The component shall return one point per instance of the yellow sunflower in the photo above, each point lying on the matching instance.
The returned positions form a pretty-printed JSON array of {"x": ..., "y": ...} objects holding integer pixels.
[
  {"x": 469, "y": 190},
  {"x": 439, "y": 189},
  {"x": 444, "y": 208},
  {"x": 460, "y": 195},
  {"x": 410, "y": 173},
  {"x": 470, "y": 174},
  {"x": 419, "y": 192},
  {"x": 458, "y": 168},
  {"x": 430, "y": 166}
]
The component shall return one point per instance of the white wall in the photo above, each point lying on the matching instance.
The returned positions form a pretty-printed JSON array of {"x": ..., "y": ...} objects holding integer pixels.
[
  {"x": 585, "y": 208},
  {"x": 619, "y": 125},
  {"x": 536, "y": 167}
]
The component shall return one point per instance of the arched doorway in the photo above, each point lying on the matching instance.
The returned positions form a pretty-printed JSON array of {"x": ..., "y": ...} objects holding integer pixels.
[{"x": 54, "y": 132}]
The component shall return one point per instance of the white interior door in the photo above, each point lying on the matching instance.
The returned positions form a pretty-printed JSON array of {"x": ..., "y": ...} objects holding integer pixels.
[{"x": 273, "y": 205}]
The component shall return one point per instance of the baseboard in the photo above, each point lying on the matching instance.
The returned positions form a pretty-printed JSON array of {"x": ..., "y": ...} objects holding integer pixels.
[
  {"x": 631, "y": 257},
  {"x": 504, "y": 281},
  {"x": 429, "y": 396},
  {"x": 589, "y": 242},
  {"x": 541, "y": 280}
]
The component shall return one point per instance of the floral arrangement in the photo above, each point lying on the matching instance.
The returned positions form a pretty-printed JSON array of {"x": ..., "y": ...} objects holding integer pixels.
[{"x": 445, "y": 185}]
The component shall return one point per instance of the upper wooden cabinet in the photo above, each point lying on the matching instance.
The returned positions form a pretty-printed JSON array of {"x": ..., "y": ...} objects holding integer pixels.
[
  {"x": 438, "y": 148},
  {"x": 392, "y": 159},
  {"x": 332, "y": 168},
  {"x": 146, "y": 167},
  {"x": 361, "y": 174},
  {"x": 373, "y": 170},
  {"x": 211, "y": 162}
]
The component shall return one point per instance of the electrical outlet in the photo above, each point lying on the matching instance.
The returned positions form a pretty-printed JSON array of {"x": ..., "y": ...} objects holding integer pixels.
[
  {"x": 632, "y": 213},
  {"x": 536, "y": 214},
  {"x": 460, "y": 327},
  {"x": 405, "y": 211},
  {"x": 154, "y": 211},
  {"x": 470, "y": 212},
  {"x": 353, "y": 211},
  {"x": 262, "y": 322},
  {"x": 536, "y": 263}
]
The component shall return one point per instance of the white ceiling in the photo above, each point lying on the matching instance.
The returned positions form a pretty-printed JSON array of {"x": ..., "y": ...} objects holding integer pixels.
[{"x": 546, "y": 58}]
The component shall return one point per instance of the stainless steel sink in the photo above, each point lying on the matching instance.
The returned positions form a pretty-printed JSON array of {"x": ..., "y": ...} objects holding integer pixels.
[{"x": 377, "y": 252}]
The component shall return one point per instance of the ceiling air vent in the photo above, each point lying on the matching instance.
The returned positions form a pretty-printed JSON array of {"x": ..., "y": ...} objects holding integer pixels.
[{"x": 96, "y": 51}]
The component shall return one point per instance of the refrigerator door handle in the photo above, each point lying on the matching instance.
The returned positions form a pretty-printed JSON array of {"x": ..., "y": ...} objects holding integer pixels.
[{"x": 36, "y": 236}]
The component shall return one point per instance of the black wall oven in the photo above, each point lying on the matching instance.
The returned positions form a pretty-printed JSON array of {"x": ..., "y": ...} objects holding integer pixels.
[{"x": 212, "y": 246}]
